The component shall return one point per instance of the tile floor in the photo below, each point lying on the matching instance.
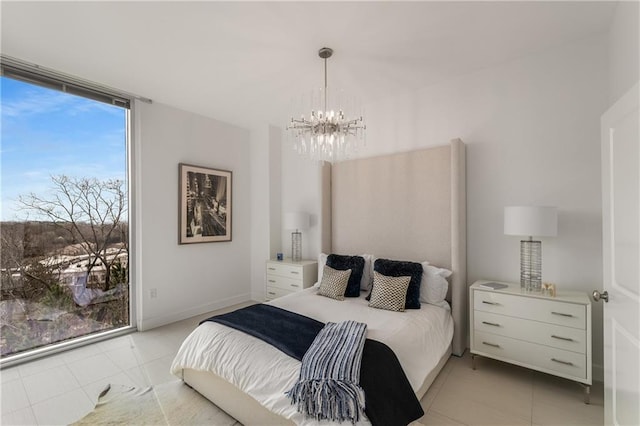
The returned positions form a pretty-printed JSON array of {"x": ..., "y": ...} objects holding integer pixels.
[{"x": 64, "y": 387}]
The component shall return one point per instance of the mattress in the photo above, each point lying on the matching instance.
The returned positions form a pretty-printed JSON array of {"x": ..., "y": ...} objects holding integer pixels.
[{"x": 419, "y": 339}]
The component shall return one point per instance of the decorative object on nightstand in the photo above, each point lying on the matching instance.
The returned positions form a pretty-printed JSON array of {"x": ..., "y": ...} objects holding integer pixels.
[
  {"x": 286, "y": 276},
  {"x": 552, "y": 335},
  {"x": 298, "y": 221},
  {"x": 531, "y": 221}
]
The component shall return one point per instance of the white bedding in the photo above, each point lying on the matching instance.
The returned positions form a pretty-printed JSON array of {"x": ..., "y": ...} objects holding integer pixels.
[{"x": 418, "y": 337}]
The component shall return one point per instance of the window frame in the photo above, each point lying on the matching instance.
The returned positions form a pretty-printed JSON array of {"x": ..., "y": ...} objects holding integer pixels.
[{"x": 41, "y": 76}]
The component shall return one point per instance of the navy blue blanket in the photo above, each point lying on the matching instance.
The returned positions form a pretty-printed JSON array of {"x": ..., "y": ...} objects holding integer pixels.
[{"x": 389, "y": 398}]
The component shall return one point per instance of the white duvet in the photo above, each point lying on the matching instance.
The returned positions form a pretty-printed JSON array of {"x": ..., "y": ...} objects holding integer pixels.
[{"x": 418, "y": 337}]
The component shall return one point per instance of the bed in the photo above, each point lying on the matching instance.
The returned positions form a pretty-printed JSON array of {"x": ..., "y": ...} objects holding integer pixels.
[{"x": 247, "y": 377}]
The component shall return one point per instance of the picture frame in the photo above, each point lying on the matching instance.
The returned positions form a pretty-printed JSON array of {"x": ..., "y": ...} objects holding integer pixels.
[{"x": 205, "y": 204}]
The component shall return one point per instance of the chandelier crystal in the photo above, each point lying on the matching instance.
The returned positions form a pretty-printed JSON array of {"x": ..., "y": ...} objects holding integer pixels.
[{"x": 327, "y": 133}]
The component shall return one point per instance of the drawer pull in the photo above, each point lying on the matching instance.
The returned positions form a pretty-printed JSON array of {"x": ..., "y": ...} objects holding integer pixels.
[
  {"x": 490, "y": 303},
  {"x": 491, "y": 344},
  {"x": 559, "y": 361},
  {"x": 272, "y": 281},
  {"x": 562, "y": 314},
  {"x": 567, "y": 339},
  {"x": 271, "y": 269},
  {"x": 491, "y": 323},
  {"x": 271, "y": 293},
  {"x": 295, "y": 285},
  {"x": 295, "y": 272}
]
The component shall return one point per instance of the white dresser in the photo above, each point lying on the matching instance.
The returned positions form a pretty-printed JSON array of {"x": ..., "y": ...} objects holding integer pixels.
[
  {"x": 287, "y": 276},
  {"x": 544, "y": 333}
]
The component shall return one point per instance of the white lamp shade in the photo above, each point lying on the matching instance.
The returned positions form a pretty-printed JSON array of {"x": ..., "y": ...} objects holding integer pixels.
[
  {"x": 297, "y": 220},
  {"x": 534, "y": 221}
]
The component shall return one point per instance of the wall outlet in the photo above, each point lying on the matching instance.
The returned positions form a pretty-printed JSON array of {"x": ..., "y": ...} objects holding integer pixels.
[{"x": 153, "y": 293}]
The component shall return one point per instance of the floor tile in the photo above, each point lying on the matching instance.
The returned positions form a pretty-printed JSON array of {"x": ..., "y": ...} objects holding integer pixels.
[
  {"x": 93, "y": 368},
  {"x": 554, "y": 415},
  {"x": 124, "y": 357},
  {"x": 115, "y": 343},
  {"x": 559, "y": 401},
  {"x": 435, "y": 387},
  {"x": 8, "y": 374},
  {"x": 467, "y": 411},
  {"x": 63, "y": 409},
  {"x": 23, "y": 416},
  {"x": 93, "y": 389},
  {"x": 552, "y": 389},
  {"x": 52, "y": 382},
  {"x": 493, "y": 394},
  {"x": 497, "y": 390},
  {"x": 158, "y": 370},
  {"x": 151, "y": 347},
  {"x": 139, "y": 376},
  {"x": 41, "y": 364},
  {"x": 433, "y": 418},
  {"x": 14, "y": 396},
  {"x": 80, "y": 353}
]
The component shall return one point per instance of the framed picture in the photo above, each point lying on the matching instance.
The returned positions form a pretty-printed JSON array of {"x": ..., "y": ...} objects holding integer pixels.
[{"x": 205, "y": 205}]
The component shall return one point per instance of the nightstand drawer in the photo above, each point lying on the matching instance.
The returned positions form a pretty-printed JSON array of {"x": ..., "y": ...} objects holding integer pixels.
[
  {"x": 539, "y": 357},
  {"x": 285, "y": 283},
  {"x": 556, "y": 336},
  {"x": 546, "y": 310},
  {"x": 275, "y": 292},
  {"x": 286, "y": 276},
  {"x": 284, "y": 270}
]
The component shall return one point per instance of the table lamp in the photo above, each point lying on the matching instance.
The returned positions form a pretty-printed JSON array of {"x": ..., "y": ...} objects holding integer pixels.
[
  {"x": 298, "y": 221},
  {"x": 531, "y": 221}
]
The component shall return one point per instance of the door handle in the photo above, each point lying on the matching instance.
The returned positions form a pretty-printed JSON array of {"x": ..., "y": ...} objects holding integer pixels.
[{"x": 597, "y": 296}]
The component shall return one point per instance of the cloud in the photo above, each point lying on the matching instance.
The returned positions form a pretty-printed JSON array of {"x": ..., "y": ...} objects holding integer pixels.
[{"x": 36, "y": 100}]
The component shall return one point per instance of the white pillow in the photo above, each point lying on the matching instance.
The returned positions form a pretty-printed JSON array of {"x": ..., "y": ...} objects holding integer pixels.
[
  {"x": 367, "y": 273},
  {"x": 322, "y": 260},
  {"x": 434, "y": 285}
]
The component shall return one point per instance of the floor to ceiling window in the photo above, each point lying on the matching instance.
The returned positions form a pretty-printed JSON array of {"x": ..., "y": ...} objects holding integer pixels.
[{"x": 64, "y": 224}]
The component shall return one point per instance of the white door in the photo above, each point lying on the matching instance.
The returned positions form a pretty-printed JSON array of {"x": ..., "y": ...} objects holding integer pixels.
[{"x": 621, "y": 264}]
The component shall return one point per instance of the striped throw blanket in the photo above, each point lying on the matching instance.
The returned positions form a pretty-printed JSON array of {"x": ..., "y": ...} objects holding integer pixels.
[{"x": 328, "y": 387}]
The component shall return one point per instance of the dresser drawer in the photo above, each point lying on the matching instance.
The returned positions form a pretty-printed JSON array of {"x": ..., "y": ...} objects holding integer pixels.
[
  {"x": 556, "y": 336},
  {"x": 275, "y": 292},
  {"x": 284, "y": 270},
  {"x": 544, "y": 310},
  {"x": 285, "y": 283},
  {"x": 543, "y": 358}
]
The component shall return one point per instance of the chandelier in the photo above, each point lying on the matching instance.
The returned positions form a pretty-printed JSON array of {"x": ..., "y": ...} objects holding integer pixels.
[{"x": 327, "y": 133}]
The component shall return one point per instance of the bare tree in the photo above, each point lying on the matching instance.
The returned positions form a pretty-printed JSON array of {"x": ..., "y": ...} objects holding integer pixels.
[{"x": 92, "y": 212}]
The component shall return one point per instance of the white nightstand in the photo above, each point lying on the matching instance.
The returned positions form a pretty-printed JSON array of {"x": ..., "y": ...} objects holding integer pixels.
[
  {"x": 548, "y": 334},
  {"x": 287, "y": 276}
]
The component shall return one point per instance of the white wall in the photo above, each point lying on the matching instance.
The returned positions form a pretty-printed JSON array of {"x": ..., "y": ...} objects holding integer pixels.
[
  {"x": 194, "y": 278},
  {"x": 301, "y": 184},
  {"x": 265, "y": 204},
  {"x": 624, "y": 49},
  {"x": 532, "y": 132}
]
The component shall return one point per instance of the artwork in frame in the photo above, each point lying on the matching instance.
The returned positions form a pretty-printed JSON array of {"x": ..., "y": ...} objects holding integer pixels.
[{"x": 205, "y": 204}]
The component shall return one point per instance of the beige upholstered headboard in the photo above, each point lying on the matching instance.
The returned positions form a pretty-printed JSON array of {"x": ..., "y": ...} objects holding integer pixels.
[{"x": 406, "y": 206}]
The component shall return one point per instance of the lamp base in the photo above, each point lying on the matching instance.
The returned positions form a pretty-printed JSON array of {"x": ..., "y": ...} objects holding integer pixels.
[
  {"x": 531, "y": 265},
  {"x": 296, "y": 246}
]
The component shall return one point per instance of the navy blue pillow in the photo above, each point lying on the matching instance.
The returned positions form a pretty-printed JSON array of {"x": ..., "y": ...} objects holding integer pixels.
[
  {"x": 356, "y": 264},
  {"x": 398, "y": 268}
]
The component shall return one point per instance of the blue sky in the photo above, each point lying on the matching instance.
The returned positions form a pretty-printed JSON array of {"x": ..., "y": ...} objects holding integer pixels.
[{"x": 46, "y": 132}]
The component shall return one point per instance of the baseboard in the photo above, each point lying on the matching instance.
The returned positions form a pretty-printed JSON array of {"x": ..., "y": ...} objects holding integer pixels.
[{"x": 148, "y": 323}]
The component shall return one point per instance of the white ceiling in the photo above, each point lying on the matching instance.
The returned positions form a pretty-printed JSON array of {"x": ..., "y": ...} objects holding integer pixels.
[{"x": 243, "y": 62}]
